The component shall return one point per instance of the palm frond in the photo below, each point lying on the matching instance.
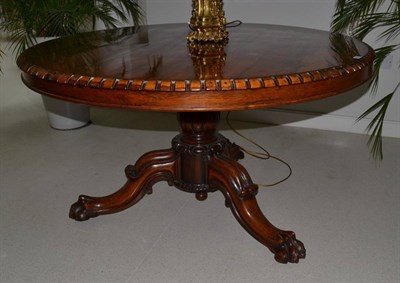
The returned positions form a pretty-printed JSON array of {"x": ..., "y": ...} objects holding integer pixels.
[
  {"x": 349, "y": 13},
  {"x": 375, "y": 127},
  {"x": 123, "y": 9},
  {"x": 24, "y": 20},
  {"x": 381, "y": 20},
  {"x": 380, "y": 55},
  {"x": 2, "y": 54},
  {"x": 20, "y": 41},
  {"x": 133, "y": 9},
  {"x": 65, "y": 18},
  {"x": 359, "y": 18}
]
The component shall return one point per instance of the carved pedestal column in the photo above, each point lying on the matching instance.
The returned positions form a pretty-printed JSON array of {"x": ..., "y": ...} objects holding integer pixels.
[{"x": 197, "y": 143}]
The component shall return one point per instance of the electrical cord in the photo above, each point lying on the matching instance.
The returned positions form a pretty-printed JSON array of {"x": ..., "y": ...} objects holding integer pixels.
[
  {"x": 265, "y": 155},
  {"x": 232, "y": 24}
]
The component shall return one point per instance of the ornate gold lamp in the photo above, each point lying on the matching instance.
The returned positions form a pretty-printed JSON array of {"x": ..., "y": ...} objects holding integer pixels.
[
  {"x": 207, "y": 39},
  {"x": 208, "y": 59},
  {"x": 208, "y": 22}
]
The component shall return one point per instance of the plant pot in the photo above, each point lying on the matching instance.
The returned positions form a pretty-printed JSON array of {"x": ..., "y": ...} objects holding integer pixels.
[
  {"x": 28, "y": 20},
  {"x": 63, "y": 115}
]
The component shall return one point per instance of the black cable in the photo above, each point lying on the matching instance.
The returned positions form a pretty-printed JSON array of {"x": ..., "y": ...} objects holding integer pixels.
[
  {"x": 233, "y": 24},
  {"x": 265, "y": 155}
]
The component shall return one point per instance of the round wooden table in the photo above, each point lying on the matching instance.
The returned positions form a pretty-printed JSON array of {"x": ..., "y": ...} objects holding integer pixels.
[{"x": 153, "y": 68}]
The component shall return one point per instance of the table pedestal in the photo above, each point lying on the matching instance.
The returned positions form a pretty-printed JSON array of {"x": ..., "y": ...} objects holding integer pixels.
[{"x": 200, "y": 161}]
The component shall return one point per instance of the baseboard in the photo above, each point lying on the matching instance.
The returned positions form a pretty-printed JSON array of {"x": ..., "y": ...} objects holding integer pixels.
[{"x": 302, "y": 119}]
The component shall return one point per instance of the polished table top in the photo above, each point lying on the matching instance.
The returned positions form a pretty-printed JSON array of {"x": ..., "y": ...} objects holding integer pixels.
[{"x": 154, "y": 68}]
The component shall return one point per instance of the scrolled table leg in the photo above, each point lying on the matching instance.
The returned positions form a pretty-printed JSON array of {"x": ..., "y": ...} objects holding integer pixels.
[
  {"x": 235, "y": 183},
  {"x": 233, "y": 151},
  {"x": 151, "y": 168}
]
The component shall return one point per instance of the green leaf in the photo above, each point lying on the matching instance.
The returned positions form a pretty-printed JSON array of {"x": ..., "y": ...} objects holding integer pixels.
[
  {"x": 1, "y": 59},
  {"x": 380, "y": 55},
  {"x": 25, "y": 20},
  {"x": 375, "y": 127},
  {"x": 359, "y": 18}
]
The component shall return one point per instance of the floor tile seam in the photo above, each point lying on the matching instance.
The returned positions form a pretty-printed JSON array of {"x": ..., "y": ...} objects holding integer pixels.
[{"x": 157, "y": 241}]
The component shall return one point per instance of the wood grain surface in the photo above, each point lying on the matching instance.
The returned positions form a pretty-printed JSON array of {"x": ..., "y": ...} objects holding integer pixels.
[{"x": 154, "y": 68}]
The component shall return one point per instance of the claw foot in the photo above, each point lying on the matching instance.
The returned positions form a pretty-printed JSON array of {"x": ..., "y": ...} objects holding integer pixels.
[
  {"x": 291, "y": 249},
  {"x": 79, "y": 211}
]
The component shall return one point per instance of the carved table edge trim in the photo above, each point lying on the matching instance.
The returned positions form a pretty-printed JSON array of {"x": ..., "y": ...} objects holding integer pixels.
[{"x": 198, "y": 85}]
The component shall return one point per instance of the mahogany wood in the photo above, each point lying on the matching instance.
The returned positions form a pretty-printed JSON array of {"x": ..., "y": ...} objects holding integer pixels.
[
  {"x": 152, "y": 68},
  {"x": 200, "y": 161}
]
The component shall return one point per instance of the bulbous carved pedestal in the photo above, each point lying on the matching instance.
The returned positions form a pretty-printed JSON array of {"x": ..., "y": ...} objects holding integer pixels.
[{"x": 200, "y": 161}]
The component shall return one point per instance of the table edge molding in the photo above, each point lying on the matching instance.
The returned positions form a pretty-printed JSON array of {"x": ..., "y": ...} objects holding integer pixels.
[{"x": 199, "y": 85}]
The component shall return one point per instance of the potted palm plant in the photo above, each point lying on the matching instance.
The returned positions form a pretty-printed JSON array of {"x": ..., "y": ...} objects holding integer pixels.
[
  {"x": 26, "y": 21},
  {"x": 360, "y": 18}
]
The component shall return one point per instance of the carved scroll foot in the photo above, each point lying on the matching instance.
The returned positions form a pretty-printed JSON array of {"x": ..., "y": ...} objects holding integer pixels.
[
  {"x": 151, "y": 168},
  {"x": 235, "y": 183},
  {"x": 78, "y": 210},
  {"x": 233, "y": 151}
]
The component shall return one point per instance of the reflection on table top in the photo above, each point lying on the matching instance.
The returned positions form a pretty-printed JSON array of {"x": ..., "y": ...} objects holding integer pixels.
[{"x": 157, "y": 59}]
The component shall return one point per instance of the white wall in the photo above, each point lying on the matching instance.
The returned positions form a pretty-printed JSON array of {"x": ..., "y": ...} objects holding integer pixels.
[{"x": 340, "y": 113}]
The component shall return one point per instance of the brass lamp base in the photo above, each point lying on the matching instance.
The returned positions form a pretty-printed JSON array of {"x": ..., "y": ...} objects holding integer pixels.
[{"x": 208, "y": 22}]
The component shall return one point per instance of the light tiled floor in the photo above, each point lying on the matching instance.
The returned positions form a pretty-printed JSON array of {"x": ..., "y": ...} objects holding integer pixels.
[{"x": 343, "y": 206}]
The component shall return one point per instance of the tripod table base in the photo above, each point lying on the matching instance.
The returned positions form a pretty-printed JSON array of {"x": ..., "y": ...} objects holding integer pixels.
[{"x": 200, "y": 161}]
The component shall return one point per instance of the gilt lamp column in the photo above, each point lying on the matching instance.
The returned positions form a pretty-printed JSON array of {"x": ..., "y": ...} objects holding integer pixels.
[{"x": 208, "y": 22}]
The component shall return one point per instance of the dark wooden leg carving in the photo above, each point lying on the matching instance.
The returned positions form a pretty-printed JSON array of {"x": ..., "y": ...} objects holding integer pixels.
[
  {"x": 200, "y": 161},
  {"x": 233, "y": 151},
  {"x": 212, "y": 165},
  {"x": 151, "y": 168},
  {"x": 235, "y": 183}
]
